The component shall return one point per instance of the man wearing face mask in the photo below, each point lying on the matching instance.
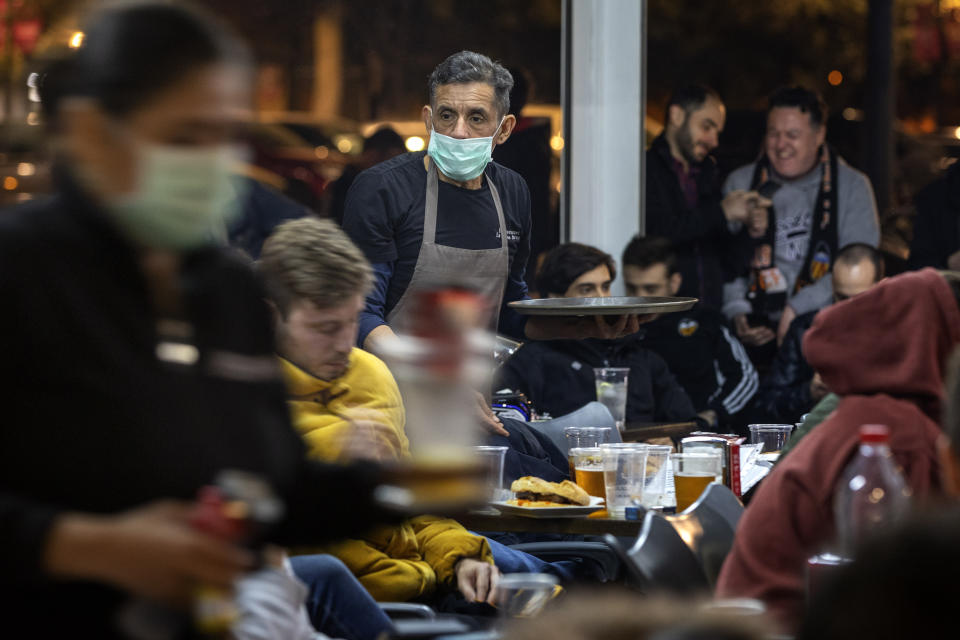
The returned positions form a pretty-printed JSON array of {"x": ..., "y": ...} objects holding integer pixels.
[
  {"x": 138, "y": 361},
  {"x": 452, "y": 215},
  {"x": 820, "y": 204}
]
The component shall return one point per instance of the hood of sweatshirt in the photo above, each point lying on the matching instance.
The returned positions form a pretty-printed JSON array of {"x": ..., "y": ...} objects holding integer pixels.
[{"x": 894, "y": 339}]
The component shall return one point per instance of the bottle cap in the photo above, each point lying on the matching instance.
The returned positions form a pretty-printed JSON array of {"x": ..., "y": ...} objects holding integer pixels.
[{"x": 874, "y": 433}]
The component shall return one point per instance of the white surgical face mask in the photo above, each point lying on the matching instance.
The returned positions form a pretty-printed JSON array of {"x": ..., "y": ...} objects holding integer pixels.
[
  {"x": 461, "y": 159},
  {"x": 184, "y": 197}
]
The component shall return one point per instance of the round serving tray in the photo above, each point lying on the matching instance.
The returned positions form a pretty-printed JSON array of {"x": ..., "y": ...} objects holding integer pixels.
[{"x": 610, "y": 306}]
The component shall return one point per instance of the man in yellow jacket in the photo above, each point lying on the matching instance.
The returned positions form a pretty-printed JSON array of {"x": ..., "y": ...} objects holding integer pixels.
[{"x": 317, "y": 281}]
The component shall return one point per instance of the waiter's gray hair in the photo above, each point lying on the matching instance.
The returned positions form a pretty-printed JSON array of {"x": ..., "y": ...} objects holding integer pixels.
[{"x": 466, "y": 67}]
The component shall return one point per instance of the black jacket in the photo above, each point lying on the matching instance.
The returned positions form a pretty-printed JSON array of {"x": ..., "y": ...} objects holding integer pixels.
[
  {"x": 557, "y": 377},
  {"x": 95, "y": 420},
  {"x": 785, "y": 393},
  {"x": 706, "y": 251},
  {"x": 708, "y": 361},
  {"x": 936, "y": 228},
  {"x": 263, "y": 211}
]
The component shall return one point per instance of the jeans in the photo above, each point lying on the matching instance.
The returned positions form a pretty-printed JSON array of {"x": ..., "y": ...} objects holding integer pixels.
[
  {"x": 512, "y": 561},
  {"x": 338, "y": 604}
]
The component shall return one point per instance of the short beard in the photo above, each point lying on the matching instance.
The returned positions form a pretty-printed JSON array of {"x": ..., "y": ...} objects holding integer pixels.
[{"x": 685, "y": 142}]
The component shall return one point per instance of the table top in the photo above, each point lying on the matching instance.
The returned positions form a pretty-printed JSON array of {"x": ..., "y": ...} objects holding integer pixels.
[
  {"x": 583, "y": 525},
  {"x": 639, "y": 431}
]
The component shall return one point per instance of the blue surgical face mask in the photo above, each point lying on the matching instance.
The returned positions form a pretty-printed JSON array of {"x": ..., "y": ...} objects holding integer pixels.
[
  {"x": 184, "y": 197},
  {"x": 461, "y": 159}
]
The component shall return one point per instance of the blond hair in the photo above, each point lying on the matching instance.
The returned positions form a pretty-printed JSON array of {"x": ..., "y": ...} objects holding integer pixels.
[{"x": 313, "y": 260}]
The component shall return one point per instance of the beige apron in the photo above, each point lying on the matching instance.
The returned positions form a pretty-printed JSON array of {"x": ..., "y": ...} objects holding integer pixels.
[{"x": 481, "y": 270}]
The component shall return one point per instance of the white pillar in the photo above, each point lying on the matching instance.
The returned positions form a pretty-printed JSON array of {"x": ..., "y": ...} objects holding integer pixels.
[{"x": 606, "y": 144}]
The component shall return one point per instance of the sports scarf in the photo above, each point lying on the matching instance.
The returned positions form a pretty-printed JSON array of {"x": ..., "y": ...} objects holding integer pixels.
[{"x": 822, "y": 248}]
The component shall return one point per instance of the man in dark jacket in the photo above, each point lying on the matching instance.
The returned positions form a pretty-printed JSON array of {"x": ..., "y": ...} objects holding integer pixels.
[
  {"x": 792, "y": 387},
  {"x": 557, "y": 375},
  {"x": 684, "y": 202},
  {"x": 709, "y": 362}
]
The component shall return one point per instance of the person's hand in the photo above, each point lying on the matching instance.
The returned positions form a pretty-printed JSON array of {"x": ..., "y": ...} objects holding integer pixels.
[
  {"x": 758, "y": 217},
  {"x": 817, "y": 389},
  {"x": 753, "y": 336},
  {"x": 953, "y": 262},
  {"x": 577, "y": 328},
  {"x": 477, "y": 580},
  {"x": 786, "y": 318},
  {"x": 710, "y": 416},
  {"x": 737, "y": 205},
  {"x": 369, "y": 437},
  {"x": 151, "y": 551},
  {"x": 488, "y": 419}
]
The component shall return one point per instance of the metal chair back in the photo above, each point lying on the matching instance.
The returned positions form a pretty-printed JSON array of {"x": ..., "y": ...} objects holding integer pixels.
[
  {"x": 659, "y": 560},
  {"x": 708, "y": 527}
]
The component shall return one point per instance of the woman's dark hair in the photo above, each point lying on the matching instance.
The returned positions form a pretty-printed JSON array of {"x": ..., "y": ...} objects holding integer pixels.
[
  {"x": 562, "y": 265},
  {"x": 133, "y": 51}
]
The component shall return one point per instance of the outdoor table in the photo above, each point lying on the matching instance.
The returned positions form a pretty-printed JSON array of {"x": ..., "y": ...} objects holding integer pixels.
[
  {"x": 584, "y": 525},
  {"x": 640, "y": 431}
]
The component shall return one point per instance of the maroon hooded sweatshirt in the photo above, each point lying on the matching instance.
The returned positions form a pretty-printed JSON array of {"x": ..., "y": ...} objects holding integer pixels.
[{"x": 885, "y": 353}]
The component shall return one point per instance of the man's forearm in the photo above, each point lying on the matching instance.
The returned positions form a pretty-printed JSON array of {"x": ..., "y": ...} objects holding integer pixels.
[
  {"x": 376, "y": 334},
  {"x": 74, "y": 546}
]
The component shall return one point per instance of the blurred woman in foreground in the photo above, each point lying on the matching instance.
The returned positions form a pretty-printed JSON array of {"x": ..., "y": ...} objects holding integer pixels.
[{"x": 137, "y": 359}]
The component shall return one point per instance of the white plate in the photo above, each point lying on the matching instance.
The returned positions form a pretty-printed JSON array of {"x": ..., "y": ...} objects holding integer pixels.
[
  {"x": 614, "y": 305},
  {"x": 549, "y": 512}
]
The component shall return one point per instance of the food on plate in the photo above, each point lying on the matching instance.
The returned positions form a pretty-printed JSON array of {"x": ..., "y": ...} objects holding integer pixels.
[{"x": 537, "y": 492}]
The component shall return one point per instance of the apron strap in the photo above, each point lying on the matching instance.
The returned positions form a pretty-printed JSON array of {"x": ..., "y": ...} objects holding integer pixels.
[
  {"x": 430, "y": 210},
  {"x": 500, "y": 217}
]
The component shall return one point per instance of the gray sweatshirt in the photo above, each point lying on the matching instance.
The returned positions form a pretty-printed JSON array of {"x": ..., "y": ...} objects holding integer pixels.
[{"x": 794, "y": 205}]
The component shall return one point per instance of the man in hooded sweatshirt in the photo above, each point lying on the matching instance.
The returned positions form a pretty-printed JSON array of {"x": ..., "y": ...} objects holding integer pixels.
[{"x": 885, "y": 354}]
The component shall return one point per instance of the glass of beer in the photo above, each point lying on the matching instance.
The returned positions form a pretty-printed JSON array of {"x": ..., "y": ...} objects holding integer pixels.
[
  {"x": 579, "y": 437},
  {"x": 588, "y": 470},
  {"x": 692, "y": 472}
]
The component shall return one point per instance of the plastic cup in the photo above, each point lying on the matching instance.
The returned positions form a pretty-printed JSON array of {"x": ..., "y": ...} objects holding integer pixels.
[
  {"x": 624, "y": 466},
  {"x": 692, "y": 473},
  {"x": 612, "y": 392},
  {"x": 773, "y": 436},
  {"x": 580, "y": 437},
  {"x": 588, "y": 470},
  {"x": 523, "y": 595},
  {"x": 493, "y": 458},
  {"x": 655, "y": 475}
]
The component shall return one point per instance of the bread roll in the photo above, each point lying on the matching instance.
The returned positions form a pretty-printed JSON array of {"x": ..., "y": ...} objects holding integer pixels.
[{"x": 533, "y": 488}]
